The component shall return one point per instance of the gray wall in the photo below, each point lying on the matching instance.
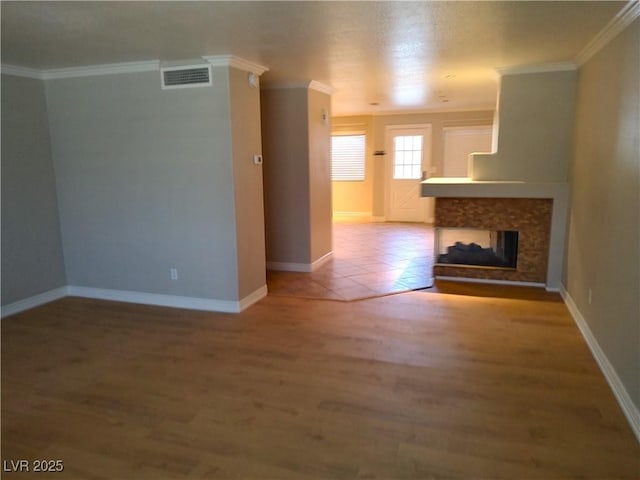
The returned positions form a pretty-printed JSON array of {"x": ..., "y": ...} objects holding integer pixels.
[
  {"x": 32, "y": 260},
  {"x": 604, "y": 227},
  {"x": 145, "y": 183},
  {"x": 535, "y": 129}
]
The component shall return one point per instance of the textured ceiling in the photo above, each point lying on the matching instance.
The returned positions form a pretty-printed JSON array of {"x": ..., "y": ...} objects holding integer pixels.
[{"x": 401, "y": 55}]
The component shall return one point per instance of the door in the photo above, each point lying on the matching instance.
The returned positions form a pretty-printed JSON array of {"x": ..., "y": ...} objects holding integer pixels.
[
  {"x": 459, "y": 142},
  {"x": 409, "y": 162}
]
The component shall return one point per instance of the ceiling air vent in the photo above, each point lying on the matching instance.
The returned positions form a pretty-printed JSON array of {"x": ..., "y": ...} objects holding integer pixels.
[{"x": 186, "y": 77}]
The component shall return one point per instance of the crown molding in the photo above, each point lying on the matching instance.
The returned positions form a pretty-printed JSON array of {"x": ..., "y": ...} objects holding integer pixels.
[
  {"x": 321, "y": 87},
  {"x": 418, "y": 111},
  {"x": 186, "y": 63},
  {"x": 18, "y": 71},
  {"x": 236, "y": 62},
  {"x": 88, "y": 71},
  {"x": 537, "y": 68},
  {"x": 628, "y": 14},
  {"x": 131, "y": 67},
  {"x": 308, "y": 85},
  {"x": 106, "y": 69}
]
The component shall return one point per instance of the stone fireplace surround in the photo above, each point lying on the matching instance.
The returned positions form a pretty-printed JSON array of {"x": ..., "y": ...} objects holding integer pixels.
[
  {"x": 537, "y": 210},
  {"x": 530, "y": 217}
]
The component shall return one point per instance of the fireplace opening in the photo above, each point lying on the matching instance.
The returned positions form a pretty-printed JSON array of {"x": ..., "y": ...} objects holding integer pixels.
[{"x": 477, "y": 248}]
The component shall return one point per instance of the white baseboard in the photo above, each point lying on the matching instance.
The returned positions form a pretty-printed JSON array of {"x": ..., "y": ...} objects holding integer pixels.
[
  {"x": 352, "y": 214},
  {"x": 299, "y": 267},
  {"x": 192, "y": 303},
  {"x": 489, "y": 281},
  {"x": 321, "y": 261},
  {"x": 253, "y": 297},
  {"x": 628, "y": 407},
  {"x": 32, "y": 302}
]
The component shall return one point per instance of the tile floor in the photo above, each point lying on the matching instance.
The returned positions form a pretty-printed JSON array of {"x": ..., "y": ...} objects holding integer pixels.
[{"x": 369, "y": 260}]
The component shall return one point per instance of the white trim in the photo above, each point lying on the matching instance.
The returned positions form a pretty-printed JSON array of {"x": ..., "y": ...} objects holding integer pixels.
[
  {"x": 309, "y": 85},
  {"x": 624, "y": 400},
  {"x": 192, "y": 303},
  {"x": 625, "y": 16},
  {"x": 106, "y": 69},
  {"x": 128, "y": 67},
  {"x": 299, "y": 267},
  {"x": 236, "y": 62},
  {"x": 321, "y": 261},
  {"x": 468, "y": 129},
  {"x": 32, "y": 302},
  {"x": 489, "y": 281},
  {"x": 21, "y": 71},
  {"x": 321, "y": 87},
  {"x": 537, "y": 68},
  {"x": 352, "y": 214},
  {"x": 417, "y": 111},
  {"x": 253, "y": 297}
]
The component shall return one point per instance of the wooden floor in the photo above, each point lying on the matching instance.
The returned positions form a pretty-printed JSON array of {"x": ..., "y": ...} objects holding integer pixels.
[
  {"x": 417, "y": 385},
  {"x": 369, "y": 260}
]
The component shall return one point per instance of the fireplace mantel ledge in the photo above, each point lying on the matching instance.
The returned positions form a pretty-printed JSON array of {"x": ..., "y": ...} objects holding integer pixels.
[{"x": 466, "y": 187}]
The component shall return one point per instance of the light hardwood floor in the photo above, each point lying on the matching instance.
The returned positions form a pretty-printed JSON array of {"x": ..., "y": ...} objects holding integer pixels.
[{"x": 417, "y": 385}]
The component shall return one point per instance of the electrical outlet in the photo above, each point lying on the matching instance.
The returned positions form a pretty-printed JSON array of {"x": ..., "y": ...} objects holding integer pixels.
[{"x": 174, "y": 273}]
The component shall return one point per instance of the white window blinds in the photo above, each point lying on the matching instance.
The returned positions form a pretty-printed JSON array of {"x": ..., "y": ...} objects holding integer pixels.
[{"x": 347, "y": 157}]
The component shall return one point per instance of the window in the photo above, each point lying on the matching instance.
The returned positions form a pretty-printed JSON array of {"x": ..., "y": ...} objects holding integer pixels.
[
  {"x": 347, "y": 157},
  {"x": 407, "y": 157}
]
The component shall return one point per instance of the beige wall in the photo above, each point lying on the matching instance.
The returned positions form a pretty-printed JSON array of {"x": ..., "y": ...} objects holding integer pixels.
[
  {"x": 535, "y": 129},
  {"x": 320, "y": 212},
  {"x": 369, "y": 196},
  {"x": 604, "y": 226},
  {"x": 247, "y": 179},
  {"x": 286, "y": 171},
  {"x": 297, "y": 182},
  {"x": 356, "y": 197}
]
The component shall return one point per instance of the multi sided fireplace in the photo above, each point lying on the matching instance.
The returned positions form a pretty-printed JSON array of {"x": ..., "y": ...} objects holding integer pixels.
[
  {"x": 529, "y": 217},
  {"x": 467, "y": 247}
]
